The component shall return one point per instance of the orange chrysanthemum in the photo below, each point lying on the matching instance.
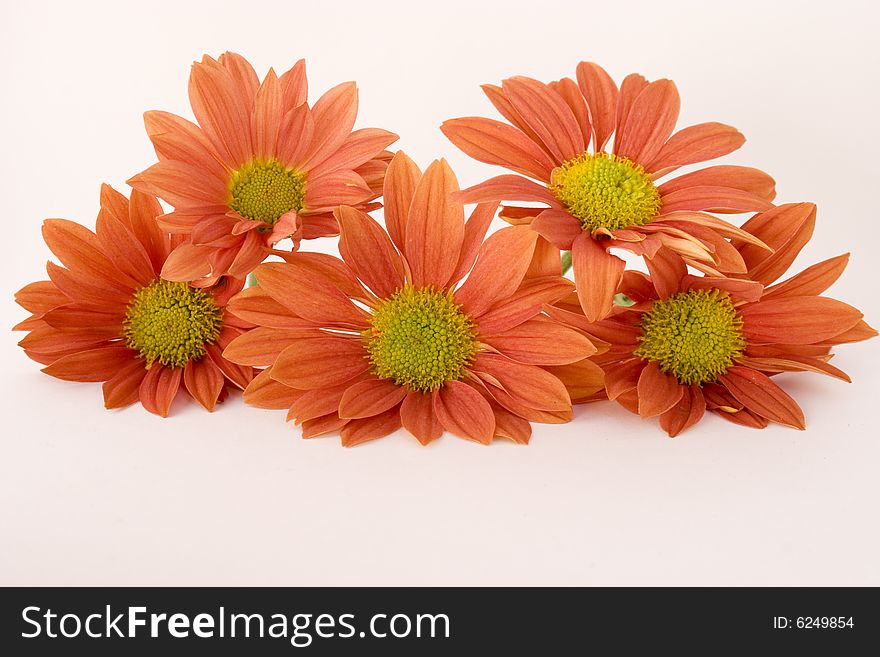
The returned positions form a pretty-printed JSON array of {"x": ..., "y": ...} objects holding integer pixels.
[
  {"x": 260, "y": 166},
  {"x": 387, "y": 337},
  {"x": 599, "y": 199},
  {"x": 684, "y": 344},
  {"x": 107, "y": 316}
]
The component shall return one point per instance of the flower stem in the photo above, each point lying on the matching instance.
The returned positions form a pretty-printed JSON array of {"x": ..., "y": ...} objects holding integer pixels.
[{"x": 566, "y": 262}]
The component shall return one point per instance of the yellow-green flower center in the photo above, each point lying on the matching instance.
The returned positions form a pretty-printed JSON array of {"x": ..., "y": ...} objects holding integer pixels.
[
  {"x": 171, "y": 323},
  {"x": 605, "y": 191},
  {"x": 265, "y": 190},
  {"x": 420, "y": 338},
  {"x": 692, "y": 335}
]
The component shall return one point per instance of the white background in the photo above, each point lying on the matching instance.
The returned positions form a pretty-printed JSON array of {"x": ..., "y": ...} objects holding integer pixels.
[{"x": 235, "y": 497}]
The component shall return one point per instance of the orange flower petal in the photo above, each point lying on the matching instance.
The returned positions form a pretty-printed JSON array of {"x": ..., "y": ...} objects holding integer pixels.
[
  {"x": 175, "y": 138},
  {"x": 632, "y": 85},
  {"x": 793, "y": 363},
  {"x": 322, "y": 425},
  {"x": 686, "y": 413},
  {"x": 496, "y": 96},
  {"x": 98, "y": 364},
  {"x": 526, "y": 384},
  {"x": 330, "y": 268},
  {"x": 597, "y": 274},
  {"x": 651, "y": 120},
  {"x": 187, "y": 263},
  {"x": 159, "y": 388},
  {"x": 268, "y": 111},
  {"x": 260, "y": 346},
  {"x": 400, "y": 185},
  {"x": 238, "y": 375},
  {"x": 542, "y": 342},
  {"x": 86, "y": 290},
  {"x": 320, "y": 362},
  {"x": 368, "y": 250},
  {"x": 334, "y": 115},
  {"x": 465, "y": 412},
  {"x": 760, "y": 395},
  {"x": 582, "y": 379},
  {"x": 254, "y": 304},
  {"x": 797, "y": 320},
  {"x": 370, "y": 397},
  {"x": 266, "y": 392},
  {"x": 123, "y": 249},
  {"x": 786, "y": 229},
  {"x": 811, "y": 281},
  {"x": 356, "y": 432},
  {"x": 357, "y": 148},
  {"x": 658, "y": 392},
  {"x": 545, "y": 261},
  {"x": 40, "y": 297},
  {"x": 666, "y": 269},
  {"x": 622, "y": 377},
  {"x": 512, "y": 426},
  {"x": 204, "y": 382},
  {"x": 558, "y": 227},
  {"x": 314, "y": 403},
  {"x": 475, "y": 229},
  {"x": 683, "y": 218},
  {"x": 501, "y": 264},
  {"x": 497, "y": 143},
  {"x": 311, "y": 298},
  {"x": 242, "y": 73},
  {"x": 508, "y": 188},
  {"x": 547, "y": 114},
  {"x": 123, "y": 388},
  {"x": 295, "y": 136},
  {"x": 340, "y": 187},
  {"x": 417, "y": 417},
  {"x": 696, "y": 143},
  {"x": 435, "y": 229},
  {"x": 601, "y": 93},
  {"x": 747, "y": 179},
  {"x": 571, "y": 94},
  {"x": 523, "y": 304},
  {"x": 143, "y": 212},
  {"x": 295, "y": 85},
  {"x": 714, "y": 199},
  {"x": 739, "y": 290},
  {"x": 80, "y": 251}
]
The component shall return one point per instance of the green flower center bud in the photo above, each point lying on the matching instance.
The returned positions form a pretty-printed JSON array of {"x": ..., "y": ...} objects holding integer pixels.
[
  {"x": 420, "y": 338},
  {"x": 605, "y": 191},
  {"x": 171, "y": 323},
  {"x": 265, "y": 190},
  {"x": 694, "y": 336}
]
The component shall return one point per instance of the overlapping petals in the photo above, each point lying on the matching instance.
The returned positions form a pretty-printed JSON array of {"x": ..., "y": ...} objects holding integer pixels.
[
  {"x": 76, "y": 324},
  {"x": 551, "y": 124},
  {"x": 240, "y": 121},
  {"x": 313, "y": 312},
  {"x": 788, "y": 326}
]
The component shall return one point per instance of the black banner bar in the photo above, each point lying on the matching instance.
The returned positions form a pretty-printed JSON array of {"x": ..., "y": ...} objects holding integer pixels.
[{"x": 431, "y": 621}]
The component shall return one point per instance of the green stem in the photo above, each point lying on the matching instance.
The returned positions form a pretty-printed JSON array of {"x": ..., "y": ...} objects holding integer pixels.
[
  {"x": 251, "y": 280},
  {"x": 566, "y": 262}
]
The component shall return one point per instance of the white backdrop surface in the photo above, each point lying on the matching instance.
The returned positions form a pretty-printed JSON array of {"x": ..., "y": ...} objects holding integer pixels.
[{"x": 235, "y": 497}]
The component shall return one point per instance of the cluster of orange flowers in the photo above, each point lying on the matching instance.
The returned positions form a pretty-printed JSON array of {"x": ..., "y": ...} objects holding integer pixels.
[{"x": 426, "y": 322}]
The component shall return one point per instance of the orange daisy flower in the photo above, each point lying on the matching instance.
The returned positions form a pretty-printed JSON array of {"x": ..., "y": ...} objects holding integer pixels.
[
  {"x": 596, "y": 198},
  {"x": 683, "y": 344},
  {"x": 387, "y": 336},
  {"x": 260, "y": 166},
  {"x": 106, "y": 315}
]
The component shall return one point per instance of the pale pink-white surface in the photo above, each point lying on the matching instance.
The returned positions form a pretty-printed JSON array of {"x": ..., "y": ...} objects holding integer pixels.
[{"x": 235, "y": 497}]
